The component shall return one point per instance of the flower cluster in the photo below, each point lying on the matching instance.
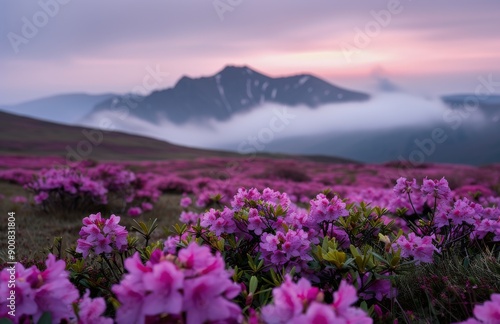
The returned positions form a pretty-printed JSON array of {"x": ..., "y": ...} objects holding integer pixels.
[
  {"x": 438, "y": 189},
  {"x": 301, "y": 303},
  {"x": 289, "y": 249},
  {"x": 194, "y": 284},
  {"x": 101, "y": 235},
  {"x": 324, "y": 211},
  {"x": 49, "y": 291},
  {"x": 364, "y": 235},
  {"x": 69, "y": 182},
  {"x": 489, "y": 312},
  {"x": 80, "y": 185},
  {"x": 37, "y": 292},
  {"x": 219, "y": 222},
  {"x": 457, "y": 217},
  {"x": 404, "y": 187},
  {"x": 420, "y": 248}
]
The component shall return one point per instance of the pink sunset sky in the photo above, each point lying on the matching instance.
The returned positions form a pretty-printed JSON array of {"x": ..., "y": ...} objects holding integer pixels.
[{"x": 424, "y": 47}]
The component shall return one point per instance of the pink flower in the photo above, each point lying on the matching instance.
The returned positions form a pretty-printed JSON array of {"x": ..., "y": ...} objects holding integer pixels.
[
  {"x": 131, "y": 292},
  {"x": 438, "y": 189},
  {"x": 101, "y": 235},
  {"x": 290, "y": 249},
  {"x": 198, "y": 260},
  {"x": 219, "y": 222},
  {"x": 188, "y": 217},
  {"x": 255, "y": 222},
  {"x": 343, "y": 298},
  {"x": 38, "y": 291},
  {"x": 243, "y": 195},
  {"x": 318, "y": 313},
  {"x": 291, "y": 300},
  {"x": 196, "y": 286},
  {"x": 486, "y": 226},
  {"x": 41, "y": 197},
  {"x": 164, "y": 282},
  {"x": 420, "y": 248},
  {"x": 323, "y": 209},
  {"x": 288, "y": 301},
  {"x": 186, "y": 202},
  {"x": 205, "y": 299},
  {"x": 378, "y": 288},
  {"x": 488, "y": 313},
  {"x": 91, "y": 310},
  {"x": 56, "y": 293},
  {"x": 24, "y": 302},
  {"x": 145, "y": 206},
  {"x": 464, "y": 212},
  {"x": 404, "y": 187},
  {"x": 134, "y": 211},
  {"x": 442, "y": 216}
]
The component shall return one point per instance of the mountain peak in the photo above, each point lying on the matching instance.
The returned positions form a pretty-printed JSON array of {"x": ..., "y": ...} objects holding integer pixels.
[
  {"x": 235, "y": 69},
  {"x": 236, "y": 89}
]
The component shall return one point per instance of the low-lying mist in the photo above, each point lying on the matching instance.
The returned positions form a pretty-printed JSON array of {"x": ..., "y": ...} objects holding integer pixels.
[{"x": 266, "y": 127}]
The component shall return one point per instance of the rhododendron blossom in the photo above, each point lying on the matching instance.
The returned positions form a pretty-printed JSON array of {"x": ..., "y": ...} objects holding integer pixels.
[
  {"x": 91, "y": 310},
  {"x": 38, "y": 292},
  {"x": 324, "y": 210},
  {"x": 219, "y": 222},
  {"x": 487, "y": 313},
  {"x": 101, "y": 235},
  {"x": 301, "y": 303},
  {"x": 404, "y": 187},
  {"x": 196, "y": 284},
  {"x": 438, "y": 189},
  {"x": 286, "y": 249},
  {"x": 134, "y": 211},
  {"x": 186, "y": 202},
  {"x": 420, "y": 248}
]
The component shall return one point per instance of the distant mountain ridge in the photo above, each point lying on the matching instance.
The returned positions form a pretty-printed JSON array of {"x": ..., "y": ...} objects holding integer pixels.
[
  {"x": 65, "y": 108},
  {"x": 232, "y": 90},
  {"x": 487, "y": 102}
]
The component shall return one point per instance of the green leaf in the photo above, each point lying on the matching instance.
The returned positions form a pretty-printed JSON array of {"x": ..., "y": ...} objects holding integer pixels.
[
  {"x": 380, "y": 258},
  {"x": 260, "y": 265},
  {"x": 5, "y": 321},
  {"x": 45, "y": 319},
  {"x": 274, "y": 276},
  {"x": 348, "y": 262},
  {"x": 251, "y": 263},
  {"x": 254, "y": 282}
]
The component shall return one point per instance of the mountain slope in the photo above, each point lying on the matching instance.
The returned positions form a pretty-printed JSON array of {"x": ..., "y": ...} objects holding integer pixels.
[
  {"x": 232, "y": 90},
  {"x": 26, "y": 136},
  {"x": 66, "y": 108}
]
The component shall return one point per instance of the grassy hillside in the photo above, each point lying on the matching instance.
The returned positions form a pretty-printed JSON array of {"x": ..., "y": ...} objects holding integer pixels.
[{"x": 32, "y": 137}]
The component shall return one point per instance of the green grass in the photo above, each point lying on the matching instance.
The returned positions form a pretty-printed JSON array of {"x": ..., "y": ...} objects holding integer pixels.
[
  {"x": 447, "y": 290},
  {"x": 36, "y": 229}
]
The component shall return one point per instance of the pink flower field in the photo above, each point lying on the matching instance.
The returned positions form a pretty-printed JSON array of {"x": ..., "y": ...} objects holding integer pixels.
[{"x": 234, "y": 240}]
